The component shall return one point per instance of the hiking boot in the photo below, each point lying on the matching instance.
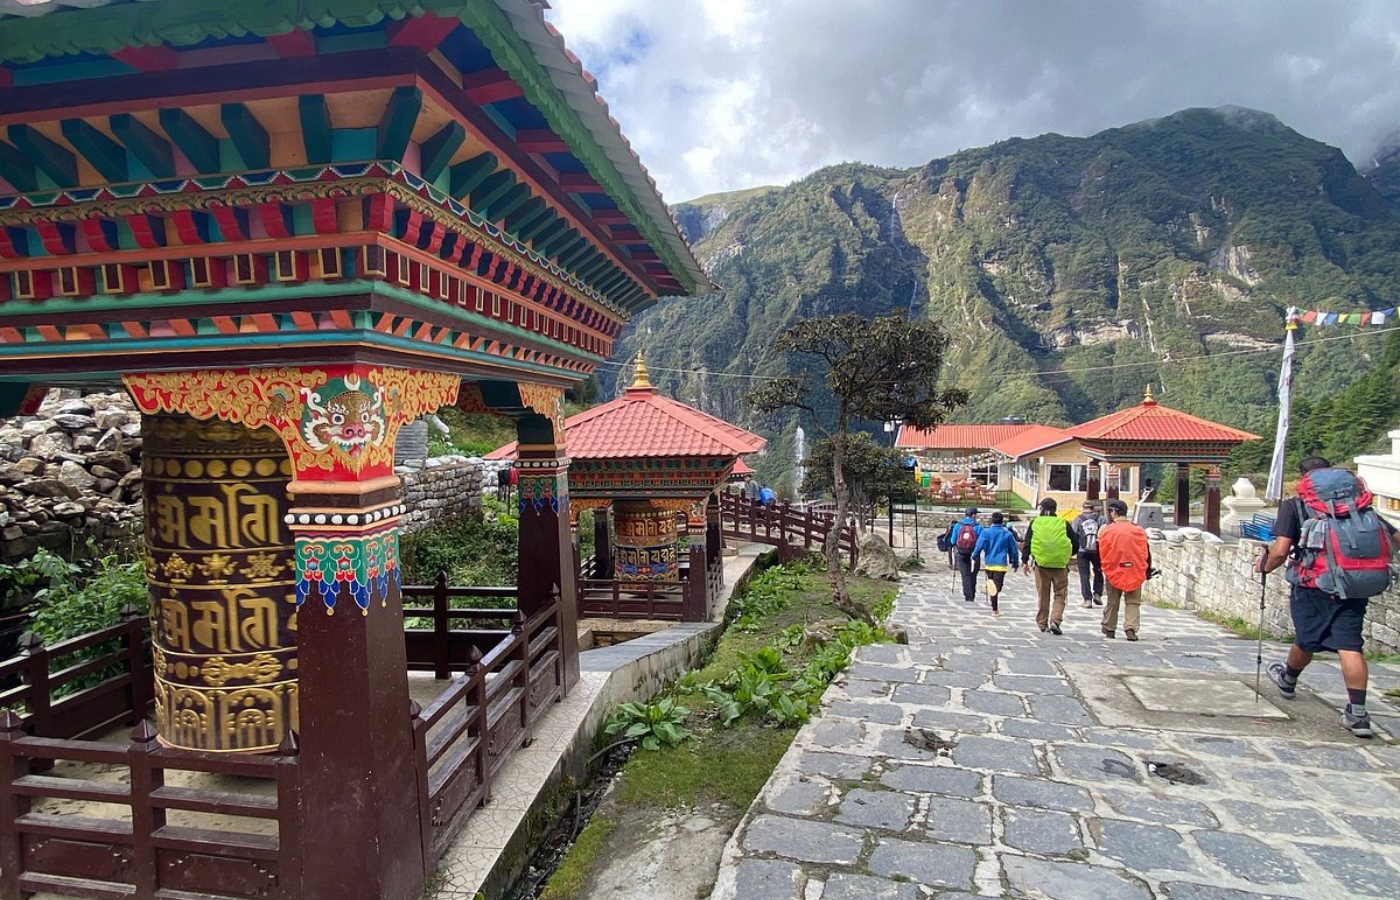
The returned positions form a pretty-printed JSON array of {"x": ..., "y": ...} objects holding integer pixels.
[
  {"x": 1357, "y": 725},
  {"x": 1055, "y": 628},
  {"x": 1110, "y": 635},
  {"x": 1088, "y": 604},
  {"x": 996, "y": 612},
  {"x": 1098, "y": 601},
  {"x": 1130, "y": 635},
  {"x": 1279, "y": 677}
]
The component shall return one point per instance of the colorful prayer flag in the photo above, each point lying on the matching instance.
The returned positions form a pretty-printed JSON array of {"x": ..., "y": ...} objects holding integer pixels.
[{"x": 1309, "y": 317}]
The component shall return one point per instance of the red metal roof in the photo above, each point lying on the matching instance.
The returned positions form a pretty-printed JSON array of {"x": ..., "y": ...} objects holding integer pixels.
[
  {"x": 1034, "y": 439},
  {"x": 1148, "y": 422},
  {"x": 644, "y": 424},
  {"x": 957, "y": 437}
]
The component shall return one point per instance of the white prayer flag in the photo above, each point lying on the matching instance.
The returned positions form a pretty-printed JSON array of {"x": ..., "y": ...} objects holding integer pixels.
[{"x": 1285, "y": 388}]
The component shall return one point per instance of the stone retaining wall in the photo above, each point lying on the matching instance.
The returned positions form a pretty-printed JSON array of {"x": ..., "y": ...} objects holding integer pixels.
[
  {"x": 443, "y": 487},
  {"x": 1220, "y": 579}
]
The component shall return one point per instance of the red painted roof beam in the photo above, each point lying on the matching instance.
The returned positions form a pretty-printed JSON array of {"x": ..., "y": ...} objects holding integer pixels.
[
  {"x": 490, "y": 86},
  {"x": 540, "y": 140},
  {"x": 148, "y": 59},
  {"x": 294, "y": 43},
  {"x": 424, "y": 32}
]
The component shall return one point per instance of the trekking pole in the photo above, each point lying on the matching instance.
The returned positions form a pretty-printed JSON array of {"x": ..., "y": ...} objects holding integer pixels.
[{"x": 1259, "y": 650}]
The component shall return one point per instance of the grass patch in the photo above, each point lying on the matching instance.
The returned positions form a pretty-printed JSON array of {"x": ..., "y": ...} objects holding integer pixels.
[
  {"x": 572, "y": 875},
  {"x": 767, "y": 664}
]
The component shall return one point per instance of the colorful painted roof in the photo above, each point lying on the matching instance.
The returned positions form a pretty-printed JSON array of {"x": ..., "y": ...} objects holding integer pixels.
[
  {"x": 1150, "y": 423},
  {"x": 642, "y": 424},
  {"x": 958, "y": 437}
]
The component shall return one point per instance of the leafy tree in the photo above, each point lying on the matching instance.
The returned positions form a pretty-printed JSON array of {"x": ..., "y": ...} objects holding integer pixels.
[
  {"x": 879, "y": 369},
  {"x": 872, "y": 472}
]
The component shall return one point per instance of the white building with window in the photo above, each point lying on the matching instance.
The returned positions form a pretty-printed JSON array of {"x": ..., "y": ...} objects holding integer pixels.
[{"x": 1381, "y": 473}]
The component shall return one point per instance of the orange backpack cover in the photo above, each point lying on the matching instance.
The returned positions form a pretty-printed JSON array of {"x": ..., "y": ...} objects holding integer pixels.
[{"x": 1123, "y": 555}]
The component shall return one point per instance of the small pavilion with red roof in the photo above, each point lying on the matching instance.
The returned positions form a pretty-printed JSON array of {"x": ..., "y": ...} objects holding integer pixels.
[
  {"x": 1150, "y": 433},
  {"x": 649, "y": 459}
]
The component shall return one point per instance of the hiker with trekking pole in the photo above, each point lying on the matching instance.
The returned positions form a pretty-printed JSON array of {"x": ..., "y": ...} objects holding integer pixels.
[{"x": 1338, "y": 552}]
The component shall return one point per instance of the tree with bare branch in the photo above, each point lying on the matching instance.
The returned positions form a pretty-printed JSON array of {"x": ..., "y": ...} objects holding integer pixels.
[{"x": 882, "y": 369}]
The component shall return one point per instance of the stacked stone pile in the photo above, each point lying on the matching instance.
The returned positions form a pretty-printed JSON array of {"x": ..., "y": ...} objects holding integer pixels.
[{"x": 73, "y": 468}]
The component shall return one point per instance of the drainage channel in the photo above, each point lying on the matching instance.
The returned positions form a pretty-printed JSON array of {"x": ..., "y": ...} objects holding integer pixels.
[{"x": 565, "y": 828}]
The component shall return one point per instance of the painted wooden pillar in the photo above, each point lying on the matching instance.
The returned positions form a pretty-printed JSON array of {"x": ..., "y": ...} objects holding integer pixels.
[
  {"x": 1183, "y": 494},
  {"x": 1091, "y": 487},
  {"x": 714, "y": 536},
  {"x": 602, "y": 543},
  {"x": 1212, "y": 522},
  {"x": 546, "y": 543},
  {"x": 361, "y": 832},
  {"x": 1114, "y": 474}
]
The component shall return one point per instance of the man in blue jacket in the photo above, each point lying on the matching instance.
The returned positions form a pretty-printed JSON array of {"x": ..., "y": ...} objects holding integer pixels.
[
  {"x": 996, "y": 549},
  {"x": 962, "y": 539}
]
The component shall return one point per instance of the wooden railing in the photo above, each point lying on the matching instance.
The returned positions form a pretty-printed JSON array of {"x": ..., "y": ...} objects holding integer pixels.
[
  {"x": 463, "y": 738},
  {"x": 686, "y": 600},
  {"x": 443, "y": 648},
  {"x": 120, "y": 652},
  {"x": 781, "y": 525},
  {"x": 143, "y": 854}
]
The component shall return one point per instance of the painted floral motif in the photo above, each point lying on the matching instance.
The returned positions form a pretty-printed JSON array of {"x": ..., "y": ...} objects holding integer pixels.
[{"x": 366, "y": 565}]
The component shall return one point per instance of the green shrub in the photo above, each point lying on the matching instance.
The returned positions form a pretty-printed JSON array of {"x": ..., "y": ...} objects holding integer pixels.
[
  {"x": 651, "y": 724},
  {"x": 472, "y": 550}
]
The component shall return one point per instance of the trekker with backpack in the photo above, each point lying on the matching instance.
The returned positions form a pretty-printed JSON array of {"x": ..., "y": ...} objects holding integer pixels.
[
  {"x": 997, "y": 548},
  {"x": 1338, "y": 553},
  {"x": 962, "y": 538},
  {"x": 1087, "y": 525},
  {"x": 1127, "y": 564},
  {"x": 1049, "y": 543}
]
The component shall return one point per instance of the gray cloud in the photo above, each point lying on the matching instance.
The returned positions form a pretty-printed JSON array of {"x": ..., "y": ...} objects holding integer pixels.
[{"x": 726, "y": 94}]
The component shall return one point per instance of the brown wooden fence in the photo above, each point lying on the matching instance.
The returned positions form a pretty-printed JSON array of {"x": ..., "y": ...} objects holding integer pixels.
[
  {"x": 464, "y": 737},
  {"x": 155, "y": 839},
  {"x": 155, "y": 847},
  {"x": 781, "y": 525}
]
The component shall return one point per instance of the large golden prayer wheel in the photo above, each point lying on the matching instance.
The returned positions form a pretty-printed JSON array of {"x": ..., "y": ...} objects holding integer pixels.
[
  {"x": 646, "y": 542},
  {"x": 222, "y": 576}
]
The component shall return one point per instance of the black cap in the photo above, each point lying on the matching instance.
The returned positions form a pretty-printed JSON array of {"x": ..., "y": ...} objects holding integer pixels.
[
  {"x": 1117, "y": 506},
  {"x": 972, "y": 510}
]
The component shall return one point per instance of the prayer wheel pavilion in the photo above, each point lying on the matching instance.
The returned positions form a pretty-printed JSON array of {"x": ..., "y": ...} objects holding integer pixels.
[
  {"x": 650, "y": 460},
  {"x": 289, "y": 228}
]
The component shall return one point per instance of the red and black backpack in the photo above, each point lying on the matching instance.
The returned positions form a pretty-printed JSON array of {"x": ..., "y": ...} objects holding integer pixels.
[{"x": 1343, "y": 547}]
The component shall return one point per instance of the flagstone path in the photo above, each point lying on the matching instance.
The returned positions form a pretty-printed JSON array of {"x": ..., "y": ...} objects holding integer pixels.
[{"x": 986, "y": 759}]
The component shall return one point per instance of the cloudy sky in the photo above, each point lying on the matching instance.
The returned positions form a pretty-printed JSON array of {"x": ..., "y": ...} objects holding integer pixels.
[{"x": 719, "y": 95}]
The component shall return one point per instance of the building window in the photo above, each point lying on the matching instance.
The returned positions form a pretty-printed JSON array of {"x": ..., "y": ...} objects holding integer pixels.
[
  {"x": 985, "y": 474},
  {"x": 1392, "y": 504},
  {"x": 1068, "y": 479}
]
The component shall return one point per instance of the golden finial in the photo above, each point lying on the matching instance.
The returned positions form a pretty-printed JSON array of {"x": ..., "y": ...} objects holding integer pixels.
[
  {"x": 1148, "y": 399},
  {"x": 639, "y": 376}
]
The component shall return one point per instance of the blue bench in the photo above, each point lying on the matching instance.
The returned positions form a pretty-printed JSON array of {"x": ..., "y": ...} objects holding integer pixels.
[{"x": 1259, "y": 528}]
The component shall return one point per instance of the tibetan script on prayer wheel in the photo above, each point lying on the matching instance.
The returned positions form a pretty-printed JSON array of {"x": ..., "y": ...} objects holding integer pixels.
[
  {"x": 222, "y": 576},
  {"x": 646, "y": 543}
]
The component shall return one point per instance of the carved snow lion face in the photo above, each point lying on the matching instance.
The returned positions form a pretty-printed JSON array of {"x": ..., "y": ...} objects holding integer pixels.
[{"x": 347, "y": 423}]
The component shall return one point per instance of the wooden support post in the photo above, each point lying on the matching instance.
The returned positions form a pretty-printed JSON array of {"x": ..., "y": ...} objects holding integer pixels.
[
  {"x": 13, "y": 765},
  {"x": 546, "y": 548},
  {"x": 1212, "y": 516},
  {"x": 1183, "y": 495},
  {"x": 1093, "y": 472},
  {"x": 696, "y": 604},
  {"x": 146, "y": 819}
]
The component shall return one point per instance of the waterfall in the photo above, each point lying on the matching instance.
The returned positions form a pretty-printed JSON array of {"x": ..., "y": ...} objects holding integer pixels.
[{"x": 801, "y": 449}]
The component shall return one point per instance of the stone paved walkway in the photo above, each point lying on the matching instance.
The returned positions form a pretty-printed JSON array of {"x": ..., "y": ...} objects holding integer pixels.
[{"x": 987, "y": 759}]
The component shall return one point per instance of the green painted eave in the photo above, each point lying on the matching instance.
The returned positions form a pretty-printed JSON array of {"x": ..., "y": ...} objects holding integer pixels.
[{"x": 513, "y": 30}]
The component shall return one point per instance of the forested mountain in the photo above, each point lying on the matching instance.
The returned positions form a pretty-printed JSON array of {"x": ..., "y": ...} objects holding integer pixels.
[{"x": 1071, "y": 272}]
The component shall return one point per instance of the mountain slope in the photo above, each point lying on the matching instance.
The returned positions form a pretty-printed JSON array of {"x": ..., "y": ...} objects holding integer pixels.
[{"x": 1071, "y": 272}]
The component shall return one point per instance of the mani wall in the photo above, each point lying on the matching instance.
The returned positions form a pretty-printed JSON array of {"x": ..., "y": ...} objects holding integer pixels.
[
  {"x": 1220, "y": 579},
  {"x": 73, "y": 473}
]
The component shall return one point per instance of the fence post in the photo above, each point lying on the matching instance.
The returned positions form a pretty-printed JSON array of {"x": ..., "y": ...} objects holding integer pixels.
[
  {"x": 555, "y": 600},
  {"x": 483, "y": 724},
  {"x": 146, "y": 777},
  {"x": 420, "y": 769},
  {"x": 289, "y": 823},
  {"x": 522, "y": 647},
  {"x": 442, "y": 658},
  {"x": 12, "y": 805},
  {"x": 36, "y": 674},
  {"x": 142, "y": 676}
]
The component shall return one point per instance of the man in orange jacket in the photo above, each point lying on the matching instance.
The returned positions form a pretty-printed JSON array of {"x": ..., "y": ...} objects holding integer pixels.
[{"x": 1127, "y": 562}]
